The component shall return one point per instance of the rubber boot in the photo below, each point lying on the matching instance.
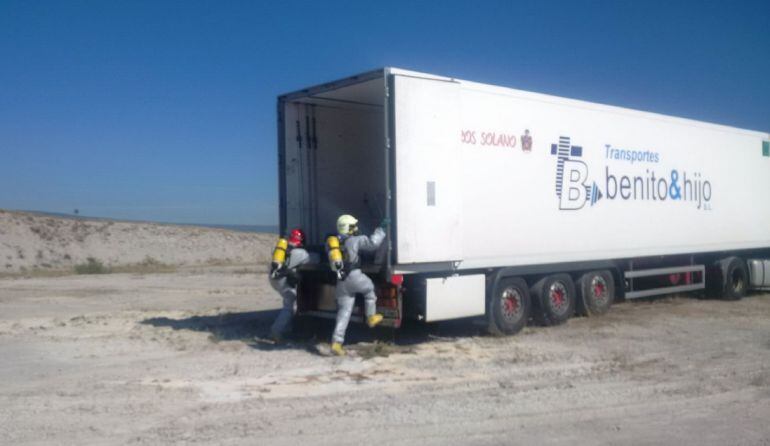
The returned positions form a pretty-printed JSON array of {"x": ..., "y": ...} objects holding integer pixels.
[
  {"x": 373, "y": 320},
  {"x": 337, "y": 349}
]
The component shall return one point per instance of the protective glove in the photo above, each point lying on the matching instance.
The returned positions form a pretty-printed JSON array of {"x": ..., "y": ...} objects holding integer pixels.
[
  {"x": 385, "y": 223},
  {"x": 277, "y": 271},
  {"x": 292, "y": 278}
]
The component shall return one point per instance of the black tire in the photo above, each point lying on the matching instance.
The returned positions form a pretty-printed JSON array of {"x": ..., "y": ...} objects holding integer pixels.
[
  {"x": 734, "y": 278},
  {"x": 596, "y": 292},
  {"x": 553, "y": 299},
  {"x": 508, "y": 307}
]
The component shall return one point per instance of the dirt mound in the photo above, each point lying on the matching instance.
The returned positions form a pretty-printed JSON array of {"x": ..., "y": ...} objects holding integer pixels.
[{"x": 39, "y": 242}]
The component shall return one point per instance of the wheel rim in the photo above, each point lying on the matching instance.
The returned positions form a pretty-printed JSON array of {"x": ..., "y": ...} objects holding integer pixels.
[
  {"x": 558, "y": 297},
  {"x": 510, "y": 304},
  {"x": 599, "y": 291},
  {"x": 674, "y": 278}
]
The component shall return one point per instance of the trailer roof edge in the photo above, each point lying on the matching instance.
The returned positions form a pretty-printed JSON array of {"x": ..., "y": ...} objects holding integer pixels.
[
  {"x": 387, "y": 70},
  {"x": 335, "y": 84}
]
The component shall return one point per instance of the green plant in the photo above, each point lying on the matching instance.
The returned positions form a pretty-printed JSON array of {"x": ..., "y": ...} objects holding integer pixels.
[
  {"x": 92, "y": 266},
  {"x": 149, "y": 265}
]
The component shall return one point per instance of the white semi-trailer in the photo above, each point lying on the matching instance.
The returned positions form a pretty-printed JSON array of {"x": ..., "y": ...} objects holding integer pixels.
[{"x": 515, "y": 205}]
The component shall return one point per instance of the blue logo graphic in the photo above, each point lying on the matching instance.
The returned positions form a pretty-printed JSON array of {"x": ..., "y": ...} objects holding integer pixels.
[
  {"x": 575, "y": 190},
  {"x": 572, "y": 176}
]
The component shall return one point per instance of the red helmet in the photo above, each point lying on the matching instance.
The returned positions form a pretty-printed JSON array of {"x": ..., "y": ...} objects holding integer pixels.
[{"x": 296, "y": 237}]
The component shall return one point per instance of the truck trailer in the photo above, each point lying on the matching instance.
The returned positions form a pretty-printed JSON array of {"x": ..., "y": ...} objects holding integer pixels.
[{"x": 511, "y": 206}]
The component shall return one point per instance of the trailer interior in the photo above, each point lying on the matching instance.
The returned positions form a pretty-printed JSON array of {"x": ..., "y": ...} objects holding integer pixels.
[
  {"x": 333, "y": 156},
  {"x": 332, "y": 161}
]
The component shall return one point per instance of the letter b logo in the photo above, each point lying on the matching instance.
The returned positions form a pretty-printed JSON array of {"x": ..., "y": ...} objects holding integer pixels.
[{"x": 573, "y": 188}]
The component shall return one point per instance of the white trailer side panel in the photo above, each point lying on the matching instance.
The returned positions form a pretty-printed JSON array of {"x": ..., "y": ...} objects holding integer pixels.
[
  {"x": 538, "y": 179},
  {"x": 428, "y": 170},
  {"x": 454, "y": 297}
]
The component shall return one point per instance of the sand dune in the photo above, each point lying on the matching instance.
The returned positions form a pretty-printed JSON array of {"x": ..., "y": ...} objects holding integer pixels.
[{"x": 39, "y": 242}]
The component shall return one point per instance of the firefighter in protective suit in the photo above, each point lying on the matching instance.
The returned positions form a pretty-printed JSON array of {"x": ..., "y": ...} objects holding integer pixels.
[
  {"x": 351, "y": 280},
  {"x": 288, "y": 255}
]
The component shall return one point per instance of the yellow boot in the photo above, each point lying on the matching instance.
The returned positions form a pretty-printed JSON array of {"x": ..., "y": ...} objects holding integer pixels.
[
  {"x": 337, "y": 349},
  {"x": 373, "y": 320}
]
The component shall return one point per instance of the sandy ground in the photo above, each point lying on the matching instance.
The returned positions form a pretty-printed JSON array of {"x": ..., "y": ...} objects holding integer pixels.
[{"x": 179, "y": 359}]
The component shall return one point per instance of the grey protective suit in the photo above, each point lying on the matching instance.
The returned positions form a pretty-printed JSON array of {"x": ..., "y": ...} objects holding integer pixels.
[
  {"x": 297, "y": 257},
  {"x": 356, "y": 281}
]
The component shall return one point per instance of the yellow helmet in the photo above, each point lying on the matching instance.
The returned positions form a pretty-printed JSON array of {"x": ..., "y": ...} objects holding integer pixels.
[{"x": 346, "y": 225}]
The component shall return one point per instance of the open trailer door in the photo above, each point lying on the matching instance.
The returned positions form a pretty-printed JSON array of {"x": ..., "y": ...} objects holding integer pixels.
[
  {"x": 332, "y": 157},
  {"x": 428, "y": 190}
]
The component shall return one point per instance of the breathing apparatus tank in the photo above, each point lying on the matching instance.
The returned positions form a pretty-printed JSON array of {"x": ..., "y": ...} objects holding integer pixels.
[
  {"x": 335, "y": 254},
  {"x": 279, "y": 253}
]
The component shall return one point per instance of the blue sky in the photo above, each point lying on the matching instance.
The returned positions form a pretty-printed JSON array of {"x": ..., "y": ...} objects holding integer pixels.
[{"x": 165, "y": 110}]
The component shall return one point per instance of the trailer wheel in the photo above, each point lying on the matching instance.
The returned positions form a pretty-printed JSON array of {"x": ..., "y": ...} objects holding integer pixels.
[
  {"x": 509, "y": 307},
  {"x": 553, "y": 299},
  {"x": 735, "y": 278},
  {"x": 596, "y": 292}
]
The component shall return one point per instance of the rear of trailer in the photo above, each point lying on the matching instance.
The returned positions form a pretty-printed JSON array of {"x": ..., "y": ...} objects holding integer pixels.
[{"x": 510, "y": 204}]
